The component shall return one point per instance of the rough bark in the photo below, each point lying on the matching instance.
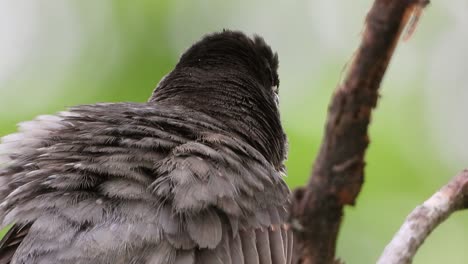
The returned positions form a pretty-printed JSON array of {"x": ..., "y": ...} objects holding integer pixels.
[{"x": 338, "y": 172}]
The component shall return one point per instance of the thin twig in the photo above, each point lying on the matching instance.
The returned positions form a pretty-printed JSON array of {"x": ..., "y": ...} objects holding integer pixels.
[
  {"x": 338, "y": 172},
  {"x": 424, "y": 219}
]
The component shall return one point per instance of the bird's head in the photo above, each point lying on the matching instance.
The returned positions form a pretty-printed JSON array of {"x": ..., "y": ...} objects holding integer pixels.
[
  {"x": 232, "y": 78},
  {"x": 233, "y": 50}
]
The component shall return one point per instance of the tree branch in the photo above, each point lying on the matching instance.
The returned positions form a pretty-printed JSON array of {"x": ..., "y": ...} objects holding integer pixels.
[
  {"x": 338, "y": 172},
  {"x": 424, "y": 219}
]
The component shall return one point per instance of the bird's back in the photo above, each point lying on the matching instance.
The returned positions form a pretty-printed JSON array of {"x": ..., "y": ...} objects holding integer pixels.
[{"x": 139, "y": 183}]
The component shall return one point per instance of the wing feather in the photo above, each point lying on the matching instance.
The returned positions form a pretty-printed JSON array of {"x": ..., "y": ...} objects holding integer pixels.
[
  {"x": 142, "y": 183},
  {"x": 10, "y": 242}
]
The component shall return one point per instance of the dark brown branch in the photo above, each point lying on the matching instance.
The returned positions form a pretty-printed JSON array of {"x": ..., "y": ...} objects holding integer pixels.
[
  {"x": 424, "y": 219},
  {"x": 339, "y": 168}
]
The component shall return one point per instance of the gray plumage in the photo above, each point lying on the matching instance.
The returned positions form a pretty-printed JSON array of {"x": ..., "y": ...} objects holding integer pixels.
[{"x": 193, "y": 176}]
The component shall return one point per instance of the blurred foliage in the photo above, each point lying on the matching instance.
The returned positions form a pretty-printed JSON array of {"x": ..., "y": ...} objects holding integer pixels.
[
  {"x": 124, "y": 48},
  {"x": 4, "y": 230}
]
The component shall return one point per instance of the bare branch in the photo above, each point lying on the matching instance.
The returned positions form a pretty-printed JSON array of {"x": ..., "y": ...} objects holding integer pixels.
[
  {"x": 338, "y": 172},
  {"x": 424, "y": 219}
]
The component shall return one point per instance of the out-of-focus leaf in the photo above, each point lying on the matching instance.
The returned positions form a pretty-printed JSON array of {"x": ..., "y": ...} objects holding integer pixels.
[{"x": 5, "y": 230}]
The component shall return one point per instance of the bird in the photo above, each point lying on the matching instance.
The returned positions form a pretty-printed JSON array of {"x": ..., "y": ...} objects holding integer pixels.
[{"x": 194, "y": 175}]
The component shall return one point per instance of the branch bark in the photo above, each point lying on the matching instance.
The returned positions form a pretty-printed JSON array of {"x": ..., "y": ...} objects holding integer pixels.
[
  {"x": 424, "y": 219},
  {"x": 338, "y": 172}
]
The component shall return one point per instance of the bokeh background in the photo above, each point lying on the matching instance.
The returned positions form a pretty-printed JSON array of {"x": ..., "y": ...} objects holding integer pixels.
[{"x": 56, "y": 53}]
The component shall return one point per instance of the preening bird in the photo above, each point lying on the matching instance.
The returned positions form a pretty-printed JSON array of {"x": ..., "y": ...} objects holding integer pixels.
[{"x": 194, "y": 175}]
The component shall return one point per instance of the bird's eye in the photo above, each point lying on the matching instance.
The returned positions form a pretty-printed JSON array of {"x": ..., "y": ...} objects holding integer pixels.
[{"x": 275, "y": 89}]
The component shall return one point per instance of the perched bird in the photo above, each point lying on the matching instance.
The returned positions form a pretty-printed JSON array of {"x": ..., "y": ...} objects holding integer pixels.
[{"x": 194, "y": 175}]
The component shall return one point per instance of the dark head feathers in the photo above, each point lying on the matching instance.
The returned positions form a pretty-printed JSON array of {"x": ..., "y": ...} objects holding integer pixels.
[
  {"x": 234, "y": 49},
  {"x": 232, "y": 78}
]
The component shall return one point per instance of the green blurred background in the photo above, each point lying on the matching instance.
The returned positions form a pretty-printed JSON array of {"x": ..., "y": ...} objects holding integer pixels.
[{"x": 55, "y": 54}]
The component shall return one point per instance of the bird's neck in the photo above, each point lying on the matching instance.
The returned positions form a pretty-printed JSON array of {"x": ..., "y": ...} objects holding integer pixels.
[{"x": 231, "y": 98}]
